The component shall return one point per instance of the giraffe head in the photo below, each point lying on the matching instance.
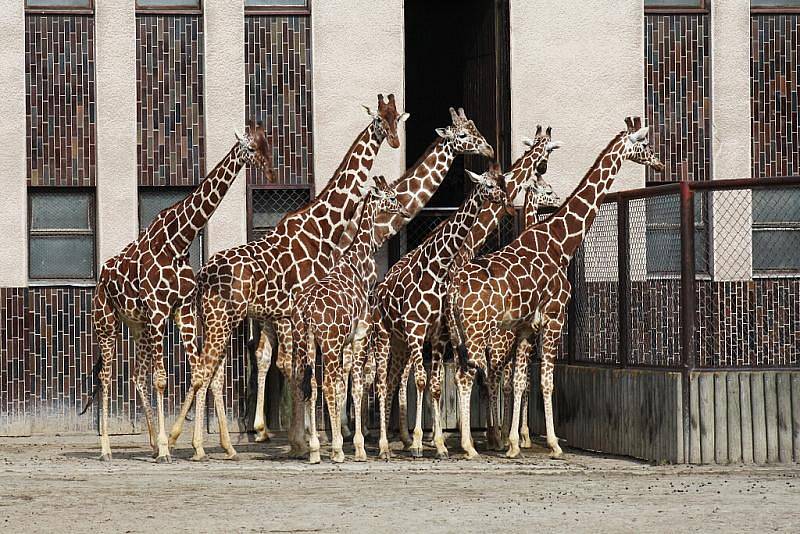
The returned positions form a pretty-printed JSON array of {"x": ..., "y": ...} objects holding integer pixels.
[
  {"x": 637, "y": 147},
  {"x": 540, "y": 148},
  {"x": 490, "y": 186},
  {"x": 464, "y": 137},
  {"x": 544, "y": 196},
  {"x": 385, "y": 198},
  {"x": 386, "y": 120},
  {"x": 255, "y": 149}
]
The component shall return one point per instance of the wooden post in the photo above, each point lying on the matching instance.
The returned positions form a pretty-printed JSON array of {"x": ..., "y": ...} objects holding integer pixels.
[
  {"x": 624, "y": 273},
  {"x": 687, "y": 299}
]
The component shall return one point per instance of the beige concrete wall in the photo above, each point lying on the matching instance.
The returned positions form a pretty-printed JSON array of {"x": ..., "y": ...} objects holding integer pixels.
[
  {"x": 579, "y": 67},
  {"x": 115, "y": 76},
  {"x": 224, "y": 77},
  {"x": 730, "y": 86},
  {"x": 357, "y": 53},
  {"x": 13, "y": 200}
]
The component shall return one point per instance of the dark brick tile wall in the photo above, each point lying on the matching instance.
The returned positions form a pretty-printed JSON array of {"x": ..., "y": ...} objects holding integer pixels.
[
  {"x": 278, "y": 92},
  {"x": 60, "y": 94},
  {"x": 678, "y": 94},
  {"x": 170, "y": 91},
  {"x": 775, "y": 76},
  {"x": 47, "y": 351}
]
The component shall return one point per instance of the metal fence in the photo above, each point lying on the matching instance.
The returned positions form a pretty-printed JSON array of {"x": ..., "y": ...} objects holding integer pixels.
[{"x": 691, "y": 276}]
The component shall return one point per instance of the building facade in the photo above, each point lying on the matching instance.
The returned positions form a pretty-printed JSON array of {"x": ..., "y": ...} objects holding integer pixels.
[{"x": 113, "y": 109}]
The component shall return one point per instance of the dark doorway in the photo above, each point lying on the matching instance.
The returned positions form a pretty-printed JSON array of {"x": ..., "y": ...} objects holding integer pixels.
[{"x": 456, "y": 54}]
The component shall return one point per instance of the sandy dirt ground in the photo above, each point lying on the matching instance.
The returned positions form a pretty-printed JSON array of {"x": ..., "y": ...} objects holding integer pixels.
[{"x": 56, "y": 484}]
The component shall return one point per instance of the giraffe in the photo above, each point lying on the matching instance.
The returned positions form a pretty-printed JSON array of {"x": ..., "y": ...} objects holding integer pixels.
[
  {"x": 409, "y": 302},
  {"x": 151, "y": 280},
  {"x": 533, "y": 160},
  {"x": 256, "y": 279},
  {"x": 523, "y": 287},
  {"x": 332, "y": 318}
]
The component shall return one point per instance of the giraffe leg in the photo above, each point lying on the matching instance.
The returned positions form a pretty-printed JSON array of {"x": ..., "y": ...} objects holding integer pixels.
[
  {"x": 382, "y": 353},
  {"x": 185, "y": 319},
  {"x": 347, "y": 366},
  {"x": 520, "y": 385},
  {"x": 142, "y": 366},
  {"x": 217, "y": 384},
  {"x": 437, "y": 354},
  {"x": 331, "y": 385},
  {"x": 298, "y": 447},
  {"x": 402, "y": 404},
  {"x": 420, "y": 380},
  {"x": 311, "y": 408},
  {"x": 525, "y": 433},
  {"x": 465, "y": 381},
  {"x": 500, "y": 345},
  {"x": 508, "y": 400},
  {"x": 156, "y": 336},
  {"x": 550, "y": 337},
  {"x": 263, "y": 360},
  {"x": 105, "y": 326},
  {"x": 358, "y": 391}
]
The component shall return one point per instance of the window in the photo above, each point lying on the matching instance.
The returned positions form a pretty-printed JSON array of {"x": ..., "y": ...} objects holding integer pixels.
[
  {"x": 681, "y": 6},
  {"x": 276, "y": 6},
  {"x": 61, "y": 234},
  {"x": 776, "y": 230},
  {"x": 268, "y": 206},
  {"x": 773, "y": 6},
  {"x": 663, "y": 227},
  {"x": 81, "y": 6},
  {"x": 153, "y": 200},
  {"x": 169, "y": 6}
]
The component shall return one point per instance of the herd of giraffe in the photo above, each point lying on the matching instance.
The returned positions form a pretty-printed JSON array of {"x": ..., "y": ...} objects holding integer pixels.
[{"x": 310, "y": 284}]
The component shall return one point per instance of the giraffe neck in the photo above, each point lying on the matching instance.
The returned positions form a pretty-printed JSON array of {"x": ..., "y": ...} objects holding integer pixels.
[
  {"x": 569, "y": 224},
  {"x": 531, "y": 208},
  {"x": 491, "y": 215},
  {"x": 184, "y": 219},
  {"x": 338, "y": 201},
  {"x": 416, "y": 187},
  {"x": 451, "y": 236},
  {"x": 360, "y": 254}
]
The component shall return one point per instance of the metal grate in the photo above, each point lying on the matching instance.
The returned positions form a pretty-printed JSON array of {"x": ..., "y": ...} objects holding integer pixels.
[{"x": 269, "y": 206}]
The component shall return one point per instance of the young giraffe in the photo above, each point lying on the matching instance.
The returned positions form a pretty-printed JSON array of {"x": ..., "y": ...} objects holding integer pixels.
[
  {"x": 534, "y": 159},
  {"x": 524, "y": 287},
  {"x": 256, "y": 280},
  {"x": 409, "y": 300},
  {"x": 332, "y": 318},
  {"x": 151, "y": 280}
]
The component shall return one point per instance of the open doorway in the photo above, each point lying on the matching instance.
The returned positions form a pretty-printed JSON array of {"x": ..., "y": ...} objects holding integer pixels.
[{"x": 456, "y": 54}]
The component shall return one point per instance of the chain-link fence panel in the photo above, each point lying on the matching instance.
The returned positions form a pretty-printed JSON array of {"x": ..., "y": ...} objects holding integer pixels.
[{"x": 269, "y": 206}]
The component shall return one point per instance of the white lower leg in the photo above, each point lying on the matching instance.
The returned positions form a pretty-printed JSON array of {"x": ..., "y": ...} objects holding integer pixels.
[
  {"x": 358, "y": 437},
  {"x": 438, "y": 435},
  {"x": 313, "y": 442},
  {"x": 105, "y": 444},
  {"x": 383, "y": 441},
  {"x": 552, "y": 441},
  {"x": 416, "y": 444},
  {"x": 513, "y": 434},
  {"x": 466, "y": 432},
  {"x": 402, "y": 404},
  {"x": 199, "y": 423},
  {"x": 177, "y": 426},
  {"x": 162, "y": 441},
  {"x": 525, "y": 433}
]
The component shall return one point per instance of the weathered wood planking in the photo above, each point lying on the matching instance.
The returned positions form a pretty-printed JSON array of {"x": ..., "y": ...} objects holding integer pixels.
[
  {"x": 706, "y": 385},
  {"x": 734, "y": 425},
  {"x": 759, "y": 418},
  {"x": 746, "y": 413}
]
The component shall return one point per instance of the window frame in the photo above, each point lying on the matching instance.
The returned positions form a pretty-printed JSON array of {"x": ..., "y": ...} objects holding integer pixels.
[
  {"x": 60, "y": 10},
  {"x": 251, "y": 193},
  {"x": 772, "y": 226},
  {"x": 703, "y": 8},
  {"x": 773, "y": 10},
  {"x": 278, "y": 10},
  {"x": 168, "y": 9},
  {"x": 44, "y": 280},
  {"x": 185, "y": 190}
]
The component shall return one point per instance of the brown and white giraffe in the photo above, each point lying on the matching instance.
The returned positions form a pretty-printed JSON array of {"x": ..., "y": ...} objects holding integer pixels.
[
  {"x": 331, "y": 320},
  {"x": 256, "y": 280},
  {"x": 533, "y": 160},
  {"x": 523, "y": 287},
  {"x": 151, "y": 280},
  {"x": 409, "y": 301}
]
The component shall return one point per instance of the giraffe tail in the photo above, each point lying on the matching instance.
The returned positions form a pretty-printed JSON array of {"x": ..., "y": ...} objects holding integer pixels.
[
  {"x": 459, "y": 338},
  {"x": 98, "y": 365},
  {"x": 307, "y": 355}
]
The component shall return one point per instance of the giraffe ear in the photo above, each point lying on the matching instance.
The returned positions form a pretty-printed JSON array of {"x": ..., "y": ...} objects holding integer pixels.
[
  {"x": 552, "y": 145},
  {"x": 475, "y": 178},
  {"x": 238, "y": 136},
  {"x": 640, "y": 135},
  {"x": 369, "y": 111},
  {"x": 441, "y": 132},
  {"x": 528, "y": 142},
  {"x": 404, "y": 117}
]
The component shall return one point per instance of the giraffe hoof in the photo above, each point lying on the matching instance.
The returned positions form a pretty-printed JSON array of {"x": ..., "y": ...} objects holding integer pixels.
[
  {"x": 105, "y": 457},
  {"x": 556, "y": 455},
  {"x": 165, "y": 459},
  {"x": 512, "y": 453},
  {"x": 442, "y": 455},
  {"x": 314, "y": 458},
  {"x": 200, "y": 458},
  {"x": 297, "y": 453},
  {"x": 263, "y": 437},
  {"x": 385, "y": 455},
  {"x": 360, "y": 457},
  {"x": 526, "y": 443},
  {"x": 471, "y": 455},
  {"x": 337, "y": 457},
  {"x": 416, "y": 452},
  {"x": 233, "y": 457}
]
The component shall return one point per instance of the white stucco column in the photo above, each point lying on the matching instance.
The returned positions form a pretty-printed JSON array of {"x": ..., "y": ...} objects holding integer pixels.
[
  {"x": 115, "y": 80},
  {"x": 731, "y": 240},
  {"x": 357, "y": 53},
  {"x": 224, "y": 112},
  {"x": 578, "y": 67},
  {"x": 13, "y": 200}
]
